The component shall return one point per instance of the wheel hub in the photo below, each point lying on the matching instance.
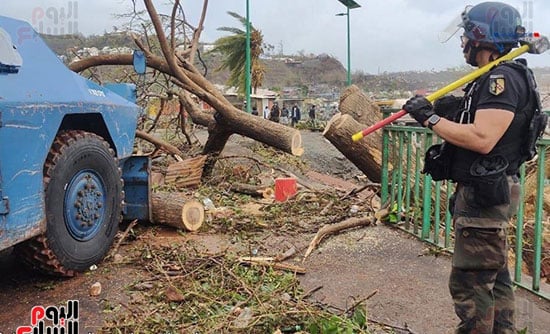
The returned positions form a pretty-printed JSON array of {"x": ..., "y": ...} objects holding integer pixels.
[{"x": 84, "y": 205}]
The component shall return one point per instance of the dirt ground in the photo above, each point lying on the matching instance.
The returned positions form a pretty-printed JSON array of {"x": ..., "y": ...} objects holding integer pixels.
[{"x": 407, "y": 286}]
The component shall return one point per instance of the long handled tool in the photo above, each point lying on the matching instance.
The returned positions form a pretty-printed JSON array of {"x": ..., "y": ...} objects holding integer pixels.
[{"x": 535, "y": 45}]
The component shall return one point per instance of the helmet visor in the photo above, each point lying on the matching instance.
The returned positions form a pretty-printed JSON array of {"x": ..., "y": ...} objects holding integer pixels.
[{"x": 454, "y": 26}]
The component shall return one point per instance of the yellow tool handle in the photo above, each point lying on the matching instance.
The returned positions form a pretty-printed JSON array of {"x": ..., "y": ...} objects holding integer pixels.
[
  {"x": 447, "y": 89},
  {"x": 477, "y": 73}
]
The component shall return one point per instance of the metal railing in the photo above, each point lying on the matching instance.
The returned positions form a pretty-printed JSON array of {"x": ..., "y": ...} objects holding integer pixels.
[{"x": 419, "y": 205}]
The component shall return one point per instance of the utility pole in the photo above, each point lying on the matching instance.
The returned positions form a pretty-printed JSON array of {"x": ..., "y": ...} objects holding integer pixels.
[
  {"x": 248, "y": 64},
  {"x": 350, "y": 4}
]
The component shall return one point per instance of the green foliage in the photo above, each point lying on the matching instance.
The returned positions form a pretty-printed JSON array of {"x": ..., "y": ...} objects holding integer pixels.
[
  {"x": 357, "y": 323},
  {"x": 233, "y": 50},
  {"x": 311, "y": 125},
  {"x": 216, "y": 293}
]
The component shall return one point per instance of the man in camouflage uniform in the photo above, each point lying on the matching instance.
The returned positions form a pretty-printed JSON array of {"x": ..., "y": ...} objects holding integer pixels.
[{"x": 482, "y": 153}]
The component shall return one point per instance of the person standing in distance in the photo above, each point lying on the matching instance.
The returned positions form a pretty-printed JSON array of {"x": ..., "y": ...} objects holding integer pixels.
[
  {"x": 295, "y": 115},
  {"x": 312, "y": 113},
  {"x": 275, "y": 113},
  {"x": 482, "y": 153}
]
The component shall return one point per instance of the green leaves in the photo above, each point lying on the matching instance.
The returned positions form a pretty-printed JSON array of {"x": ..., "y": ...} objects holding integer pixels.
[
  {"x": 233, "y": 50},
  {"x": 219, "y": 294}
]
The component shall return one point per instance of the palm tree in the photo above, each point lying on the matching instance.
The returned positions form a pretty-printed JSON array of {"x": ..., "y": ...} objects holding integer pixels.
[{"x": 233, "y": 50}]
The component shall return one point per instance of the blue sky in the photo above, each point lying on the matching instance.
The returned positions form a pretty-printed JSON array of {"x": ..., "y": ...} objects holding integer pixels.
[{"x": 388, "y": 35}]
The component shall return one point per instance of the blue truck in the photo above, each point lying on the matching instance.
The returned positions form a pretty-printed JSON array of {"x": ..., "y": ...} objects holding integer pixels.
[{"x": 67, "y": 173}]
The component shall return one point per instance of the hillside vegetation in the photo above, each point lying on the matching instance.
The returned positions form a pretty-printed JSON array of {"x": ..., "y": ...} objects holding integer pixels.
[{"x": 299, "y": 71}]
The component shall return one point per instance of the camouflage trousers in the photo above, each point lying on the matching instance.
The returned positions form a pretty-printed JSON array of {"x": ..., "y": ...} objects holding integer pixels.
[{"x": 480, "y": 282}]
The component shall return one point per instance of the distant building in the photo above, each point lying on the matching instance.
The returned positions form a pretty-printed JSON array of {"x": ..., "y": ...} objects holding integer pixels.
[
  {"x": 260, "y": 99},
  {"x": 208, "y": 47},
  {"x": 291, "y": 96}
]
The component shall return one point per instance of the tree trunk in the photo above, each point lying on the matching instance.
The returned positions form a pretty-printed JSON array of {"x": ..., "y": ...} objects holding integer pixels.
[
  {"x": 268, "y": 132},
  {"x": 221, "y": 127},
  {"x": 366, "y": 154},
  {"x": 356, "y": 103},
  {"x": 218, "y": 135},
  {"x": 173, "y": 209}
]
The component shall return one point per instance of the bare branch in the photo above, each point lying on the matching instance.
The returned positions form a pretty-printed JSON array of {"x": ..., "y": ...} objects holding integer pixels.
[
  {"x": 197, "y": 32},
  {"x": 201, "y": 87},
  {"x": 173, "y": 25}
]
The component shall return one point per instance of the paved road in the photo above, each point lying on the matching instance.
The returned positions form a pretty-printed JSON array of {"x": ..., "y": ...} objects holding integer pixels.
[{"x": 411, "y": 287}]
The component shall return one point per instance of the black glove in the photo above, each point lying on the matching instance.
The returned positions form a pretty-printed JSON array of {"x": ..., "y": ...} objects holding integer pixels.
[
  {"x": 419, "y": 108},
  {"x": 448, "y": 106}
]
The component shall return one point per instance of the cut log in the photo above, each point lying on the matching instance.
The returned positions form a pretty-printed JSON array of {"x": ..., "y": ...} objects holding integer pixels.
[
  {"x": 186, "y": 173},
  {"x": 173, "y": 209},
  {"x": 356, "y": 103},
  {"x": 366, "y": 154},
  {"x": 273, "y": 134},
  {"x": 357, "y": 112}
]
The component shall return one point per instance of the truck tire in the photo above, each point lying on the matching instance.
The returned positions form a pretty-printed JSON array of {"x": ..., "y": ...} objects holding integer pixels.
[{"x": 83, "y": 205}]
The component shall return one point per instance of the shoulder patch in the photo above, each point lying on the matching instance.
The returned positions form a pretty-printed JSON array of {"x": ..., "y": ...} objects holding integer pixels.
[{"x": 497, "y": 84}]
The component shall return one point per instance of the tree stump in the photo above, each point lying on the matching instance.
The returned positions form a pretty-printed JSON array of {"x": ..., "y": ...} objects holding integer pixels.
[{"x": 173, "y": 209}]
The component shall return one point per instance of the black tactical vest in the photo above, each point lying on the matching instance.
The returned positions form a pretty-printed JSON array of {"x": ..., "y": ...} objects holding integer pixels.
[{"x": 510, "y": 151}]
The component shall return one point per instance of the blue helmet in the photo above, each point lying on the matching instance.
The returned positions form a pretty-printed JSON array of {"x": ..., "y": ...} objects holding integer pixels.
[{"x": 492, "y": 22}]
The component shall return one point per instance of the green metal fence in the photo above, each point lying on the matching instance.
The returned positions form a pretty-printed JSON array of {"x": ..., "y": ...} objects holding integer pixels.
[{"x": 421, "y": 205}]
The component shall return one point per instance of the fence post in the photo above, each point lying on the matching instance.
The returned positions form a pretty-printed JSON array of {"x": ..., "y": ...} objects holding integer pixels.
[
  {"x": 427, "y": 195},
  {"x": 537, "y": 244}
]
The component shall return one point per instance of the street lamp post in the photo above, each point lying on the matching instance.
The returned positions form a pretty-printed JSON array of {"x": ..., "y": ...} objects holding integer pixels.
[
  {"x": 350, "y": 4},
  {"x": 248, "y": 61}
]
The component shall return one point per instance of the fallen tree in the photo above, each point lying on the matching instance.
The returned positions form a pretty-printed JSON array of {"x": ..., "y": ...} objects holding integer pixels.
[{"x": 190, "y": 83}]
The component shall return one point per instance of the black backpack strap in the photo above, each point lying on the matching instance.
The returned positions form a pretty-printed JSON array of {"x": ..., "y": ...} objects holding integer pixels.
[
  {"x": 537, "y": 119},
  {"x": 520, "y": 65}
]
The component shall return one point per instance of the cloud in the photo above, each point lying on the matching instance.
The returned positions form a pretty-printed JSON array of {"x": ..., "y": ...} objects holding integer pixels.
[{"x": 389, "y": 35}]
